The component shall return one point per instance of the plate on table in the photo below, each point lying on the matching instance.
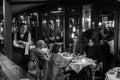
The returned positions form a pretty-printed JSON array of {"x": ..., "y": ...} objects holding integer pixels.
[
  {"x": 118, "y": 76},
  {"x": 74, "y": 61},
  {"x": 67, "y": 57},
  {"x": 75, "y": 58},
  {"x": 112, "y": 72},
  {"x": 116, "y": 68}
]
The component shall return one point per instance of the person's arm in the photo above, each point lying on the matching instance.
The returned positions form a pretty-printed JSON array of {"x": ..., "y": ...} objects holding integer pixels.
[
  {"x": 45, "y": 56},
  {"x": 15, "y": 41},
  {"x": 42, "y": 55},
  {"x": 61, "y": 61}
]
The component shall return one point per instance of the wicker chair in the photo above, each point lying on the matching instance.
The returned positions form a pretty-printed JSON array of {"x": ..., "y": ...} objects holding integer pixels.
[{"x": 36, "y": 66}]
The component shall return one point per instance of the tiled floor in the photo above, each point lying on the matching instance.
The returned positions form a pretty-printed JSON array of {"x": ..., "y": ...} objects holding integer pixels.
[{"x": 11, "y": 70}]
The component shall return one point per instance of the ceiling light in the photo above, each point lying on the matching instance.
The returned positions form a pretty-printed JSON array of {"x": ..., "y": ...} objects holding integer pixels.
[
  {"x": 100, "y": 23},
  {"x": 72, "y": 35},
  {"x": 59, "y": 8},
  {"x": 35, "y": 14},
  {"x": 74, "y": 29},
  {"x": 44, "y": 21},
  {"x": 56, "y": 11},
  {"x": 45, "y": 14},
  {"x": 22, "y": 17},
  {"x": 73, "y": 10}
]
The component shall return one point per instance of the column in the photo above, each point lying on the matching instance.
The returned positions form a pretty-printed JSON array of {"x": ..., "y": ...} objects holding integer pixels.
[
  {"x": 36, "y": 28},
  {"x": 117, "y": 27},
  {"x": 66, "y": 37},
  {"x": 39, "y": 27},
  {"x": 80, "y": 30},
  {"x": 95, "y": 19},
  {"x": 7, "y": 28}
]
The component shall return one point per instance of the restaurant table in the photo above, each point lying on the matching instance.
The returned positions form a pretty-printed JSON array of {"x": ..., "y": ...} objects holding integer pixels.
[
  {"x": 79, "y": 63},
  {"x": 112, "y": 75}
]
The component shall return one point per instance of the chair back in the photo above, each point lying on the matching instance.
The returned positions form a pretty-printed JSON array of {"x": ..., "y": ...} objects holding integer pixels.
[
  {"x": 97, "y": 68},
  {"x": 39, "y": 62},
  {"x": 36, "y": 66}
]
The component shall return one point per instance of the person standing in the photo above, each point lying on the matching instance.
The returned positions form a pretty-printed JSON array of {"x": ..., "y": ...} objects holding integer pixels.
[{"x": 21, "y": 44}]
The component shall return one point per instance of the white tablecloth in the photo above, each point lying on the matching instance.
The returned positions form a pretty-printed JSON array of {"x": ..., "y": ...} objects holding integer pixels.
[
  {"x": 112, "y": 76},
  {"x": 78, "y": 64}
]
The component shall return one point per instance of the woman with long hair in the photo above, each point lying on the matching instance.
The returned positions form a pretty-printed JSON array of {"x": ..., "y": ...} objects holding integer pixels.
[{"x": 56, "y": 64}]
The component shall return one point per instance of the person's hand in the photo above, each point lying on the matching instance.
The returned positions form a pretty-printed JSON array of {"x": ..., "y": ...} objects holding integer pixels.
[
  {"x": 24, "y": 43},
  {"x": 16, "y": 45},
  {"x": 21, "y": 46},
  {"x": 19, "y": 41}
]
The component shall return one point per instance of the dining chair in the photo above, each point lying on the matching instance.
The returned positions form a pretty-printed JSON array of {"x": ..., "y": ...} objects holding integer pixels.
[
  {"x": 66, "y": 76},
  {"x": 66, "y": 71},
  {"x": 35, "y": 66},
  {"x": 95, "y": 69}
]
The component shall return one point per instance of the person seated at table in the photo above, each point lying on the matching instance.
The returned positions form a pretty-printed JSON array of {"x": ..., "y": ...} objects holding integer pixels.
[
  {"x": 41, "y": 54},
  {"x": 41, "y": 51},
  {"x": 56, "y": 63},
  {"x": 21, "y": 44},
  {"x": 92, "y": 51}
]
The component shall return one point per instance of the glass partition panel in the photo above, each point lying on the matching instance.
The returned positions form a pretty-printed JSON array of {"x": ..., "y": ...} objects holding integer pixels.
[
  {"x": 74, "y": 28},
  {"x": 52, "y": 23}
]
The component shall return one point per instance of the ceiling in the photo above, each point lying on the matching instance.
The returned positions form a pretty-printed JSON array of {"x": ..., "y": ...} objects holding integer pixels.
[
  {"x": 20, "y": 5},
  {"x": 20, "y": 2}
]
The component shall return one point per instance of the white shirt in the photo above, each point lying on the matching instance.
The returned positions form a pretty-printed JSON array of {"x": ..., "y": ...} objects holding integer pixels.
[{"x": 111, "y": 44}]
